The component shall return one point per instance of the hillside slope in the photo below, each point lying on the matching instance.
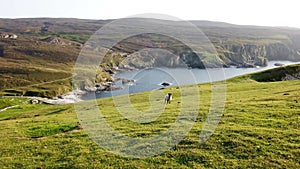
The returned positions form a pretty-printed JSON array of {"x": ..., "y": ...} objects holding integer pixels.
[
  {"x": 259, "y": 129},
  {"x": 45, "y": 50}
]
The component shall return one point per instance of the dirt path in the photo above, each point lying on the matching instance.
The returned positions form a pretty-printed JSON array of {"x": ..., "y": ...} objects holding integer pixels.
[
  {"x": 38, "y": 84},
  {"x": 9, "y": 107}
]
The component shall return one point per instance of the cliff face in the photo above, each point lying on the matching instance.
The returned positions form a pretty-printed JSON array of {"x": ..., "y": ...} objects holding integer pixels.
[
  {"x": 241, "y": 55},
  {"x": 280, "y": 51},
  {"x": 240, "y": 52},
  {"x": 247, "y": 55},
  {"x": 148, "y": 58}
]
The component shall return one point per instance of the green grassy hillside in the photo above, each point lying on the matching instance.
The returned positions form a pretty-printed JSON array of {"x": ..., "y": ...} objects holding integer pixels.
[
  {"x": 259, "y": 129},
  {"x": 30, "y": 63}
]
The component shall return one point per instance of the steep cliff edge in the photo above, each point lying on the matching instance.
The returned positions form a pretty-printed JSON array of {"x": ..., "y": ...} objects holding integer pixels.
[
  {"x": 228, "y": 54},
  {"x": 245, "y": 55},
  {"x": 237, "y": 47}
]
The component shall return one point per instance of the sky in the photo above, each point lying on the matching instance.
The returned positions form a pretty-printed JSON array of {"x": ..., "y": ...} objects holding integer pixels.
[{"x": 242, "y": 12}]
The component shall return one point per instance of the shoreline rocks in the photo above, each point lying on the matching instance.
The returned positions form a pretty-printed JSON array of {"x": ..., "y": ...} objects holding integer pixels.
[
  {"x": 278, "y": 64},
  {"x": 125, "y": 81},
  {"x": 165, "y": 84}
]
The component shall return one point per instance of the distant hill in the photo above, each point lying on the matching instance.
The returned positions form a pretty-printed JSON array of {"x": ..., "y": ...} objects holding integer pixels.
[{"x": 204, "y": 23}]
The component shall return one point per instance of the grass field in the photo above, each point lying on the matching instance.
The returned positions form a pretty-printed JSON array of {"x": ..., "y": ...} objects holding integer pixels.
[{"x": 259, "y": 129}]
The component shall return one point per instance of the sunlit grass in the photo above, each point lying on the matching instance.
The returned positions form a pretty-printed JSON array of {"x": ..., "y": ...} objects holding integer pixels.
[{"x": 259, "y": 129}]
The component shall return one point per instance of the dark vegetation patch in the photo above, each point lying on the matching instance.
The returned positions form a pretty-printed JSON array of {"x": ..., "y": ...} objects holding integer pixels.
[
  {"x": 48, "y": 129},
  {"x": 278, "y": 74}
]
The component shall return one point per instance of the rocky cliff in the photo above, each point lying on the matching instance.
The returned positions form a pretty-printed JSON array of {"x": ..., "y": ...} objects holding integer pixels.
[
  {"x": 240, "y": 52},
  {"x": 247, "y": 55},
  {"x": 229, "y": 54}
]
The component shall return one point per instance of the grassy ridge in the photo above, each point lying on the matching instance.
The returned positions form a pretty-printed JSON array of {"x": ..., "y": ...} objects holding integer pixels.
[
  {"x": 259, "y": 129},
  {"x": 278, "y": 74}
]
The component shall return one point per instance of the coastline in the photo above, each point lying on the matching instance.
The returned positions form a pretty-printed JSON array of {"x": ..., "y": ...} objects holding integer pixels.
[
  {"x": 71, "y": 97},
  {"x": 68, "y": 98},
  {"x": 75, "y": 96}
]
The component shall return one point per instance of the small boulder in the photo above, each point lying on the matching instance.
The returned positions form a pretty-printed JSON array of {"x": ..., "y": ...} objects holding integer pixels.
[
  {"x": 124, "y": 81},
  {"x": 34, "y": 101},
  {"x": 110, "y": 71},
  {"x": 278, "y": 64}
]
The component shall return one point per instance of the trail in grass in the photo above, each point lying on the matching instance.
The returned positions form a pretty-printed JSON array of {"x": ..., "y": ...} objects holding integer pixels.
[{"x": 9, "y": 107}]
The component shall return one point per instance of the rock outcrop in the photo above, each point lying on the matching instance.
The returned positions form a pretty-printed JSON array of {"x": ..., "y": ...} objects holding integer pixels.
[
  {"x": 229, "y": 54},
  {"x": 8, "y": 36},
  {"x": 165, "y": 84},
  {"x": 245, "y": 55}
]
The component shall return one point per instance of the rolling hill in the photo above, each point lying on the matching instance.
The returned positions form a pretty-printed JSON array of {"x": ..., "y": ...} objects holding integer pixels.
[{"x": 40, "y": 60}]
